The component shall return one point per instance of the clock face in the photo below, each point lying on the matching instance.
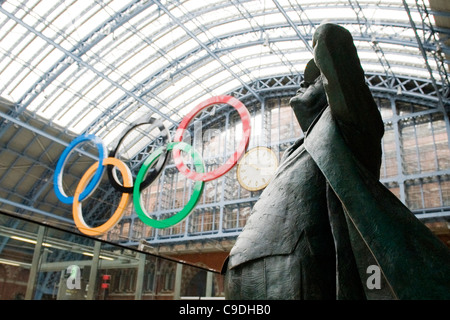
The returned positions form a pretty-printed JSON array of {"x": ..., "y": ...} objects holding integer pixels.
[{"x": 257, "y": 168}]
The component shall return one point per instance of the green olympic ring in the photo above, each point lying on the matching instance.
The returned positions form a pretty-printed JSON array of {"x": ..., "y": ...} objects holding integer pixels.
[{"x": 197, "y": 189}]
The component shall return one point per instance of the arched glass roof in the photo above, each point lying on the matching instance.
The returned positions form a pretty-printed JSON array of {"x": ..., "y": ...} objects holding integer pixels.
[
  {"x": 75, "y": 67},
  {"x": 97, "y": 66}
]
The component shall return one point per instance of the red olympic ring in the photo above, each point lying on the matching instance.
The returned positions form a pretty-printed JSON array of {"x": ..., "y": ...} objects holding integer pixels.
[{"x": 233, "y": 159}]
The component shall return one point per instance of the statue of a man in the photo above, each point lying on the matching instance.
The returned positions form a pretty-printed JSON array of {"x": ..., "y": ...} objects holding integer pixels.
[{"x": 325, "y": 218}]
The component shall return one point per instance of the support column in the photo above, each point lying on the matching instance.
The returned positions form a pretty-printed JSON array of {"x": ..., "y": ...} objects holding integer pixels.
[
  {"x": 35, "y": 264},
  {"x": 209, "y": 284},
  {"x": 398, "y": 150},
  {"x": 178, "y": 278},
  {"x": 140, "y": 276},
  {"x": 94, "y": 271}
]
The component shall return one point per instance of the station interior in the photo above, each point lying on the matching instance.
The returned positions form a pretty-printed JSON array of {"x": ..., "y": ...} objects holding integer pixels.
[{"x": 86, "y": 80}]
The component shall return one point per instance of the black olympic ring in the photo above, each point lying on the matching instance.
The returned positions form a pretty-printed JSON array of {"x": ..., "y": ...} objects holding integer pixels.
[{"x": 155, "y": 171}]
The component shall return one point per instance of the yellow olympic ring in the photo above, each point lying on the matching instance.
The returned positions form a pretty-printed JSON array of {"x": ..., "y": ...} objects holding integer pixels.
[{"x": 77, "y": 210}]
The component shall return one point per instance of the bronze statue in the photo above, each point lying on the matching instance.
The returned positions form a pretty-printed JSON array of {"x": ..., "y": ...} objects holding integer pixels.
[{"x": 325, "y": 218}]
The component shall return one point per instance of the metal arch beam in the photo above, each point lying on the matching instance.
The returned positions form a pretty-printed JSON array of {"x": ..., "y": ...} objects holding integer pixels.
[
  {"x": 293, "y": 25},
  {"x": 256, "y": 26},
  {"x": 25, "y": 64},
  {"x": 125, "y": 77},
  {"x": 126, "y": 96},
  {"x": 186, "y": 68},
  {"x": 205, "y": 47},
  {"x": 441, "y": 104},
  {"x": 375, "y": 46},
  {"x": 32, "y": 209},
  {"x": 140, "y": 89},
  {"x": 83, "y": 46},
  {"x": 76, "y": 95},
  {"x": 75, "y": 55},
  {"x": 114, "y": 108},
  {"x": 402, "y": 64},
  {"x": 288, "y": 85},
  {"x": 429, "y": 36},
  {"x": 374, "y": 82},
  {"x": 42, "y": 133}
]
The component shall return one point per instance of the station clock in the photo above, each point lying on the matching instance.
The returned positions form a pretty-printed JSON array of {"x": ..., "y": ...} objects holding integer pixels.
[{"x": 256, "y": 168}]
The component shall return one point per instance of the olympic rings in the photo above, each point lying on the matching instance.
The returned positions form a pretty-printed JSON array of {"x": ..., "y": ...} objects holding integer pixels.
[
  {"x": 233, "y": 159},
  {"x": 197, "y": 188},
  {"x": 93, "y": 175}
]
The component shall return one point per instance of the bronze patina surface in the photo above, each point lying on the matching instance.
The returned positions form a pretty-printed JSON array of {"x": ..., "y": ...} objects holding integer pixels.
[{"x": 325, "y": 217}]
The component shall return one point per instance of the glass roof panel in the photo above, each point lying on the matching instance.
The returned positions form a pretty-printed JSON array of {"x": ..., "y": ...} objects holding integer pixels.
[{"x": 227, "y": 87}]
